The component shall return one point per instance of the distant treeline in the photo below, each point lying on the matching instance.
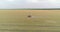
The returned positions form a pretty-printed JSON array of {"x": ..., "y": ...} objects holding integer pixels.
[{"x": 33, "y": 9}]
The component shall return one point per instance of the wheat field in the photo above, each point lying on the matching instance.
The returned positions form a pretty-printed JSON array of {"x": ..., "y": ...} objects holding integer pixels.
[{"x": 39, "y": 21}]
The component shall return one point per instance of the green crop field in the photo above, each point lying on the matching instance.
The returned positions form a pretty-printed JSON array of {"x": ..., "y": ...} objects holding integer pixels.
[{"x": 39, "y": 21}]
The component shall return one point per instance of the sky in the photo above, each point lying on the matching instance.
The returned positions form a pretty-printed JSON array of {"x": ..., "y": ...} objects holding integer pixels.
[{"x": 14, "y": 4}]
